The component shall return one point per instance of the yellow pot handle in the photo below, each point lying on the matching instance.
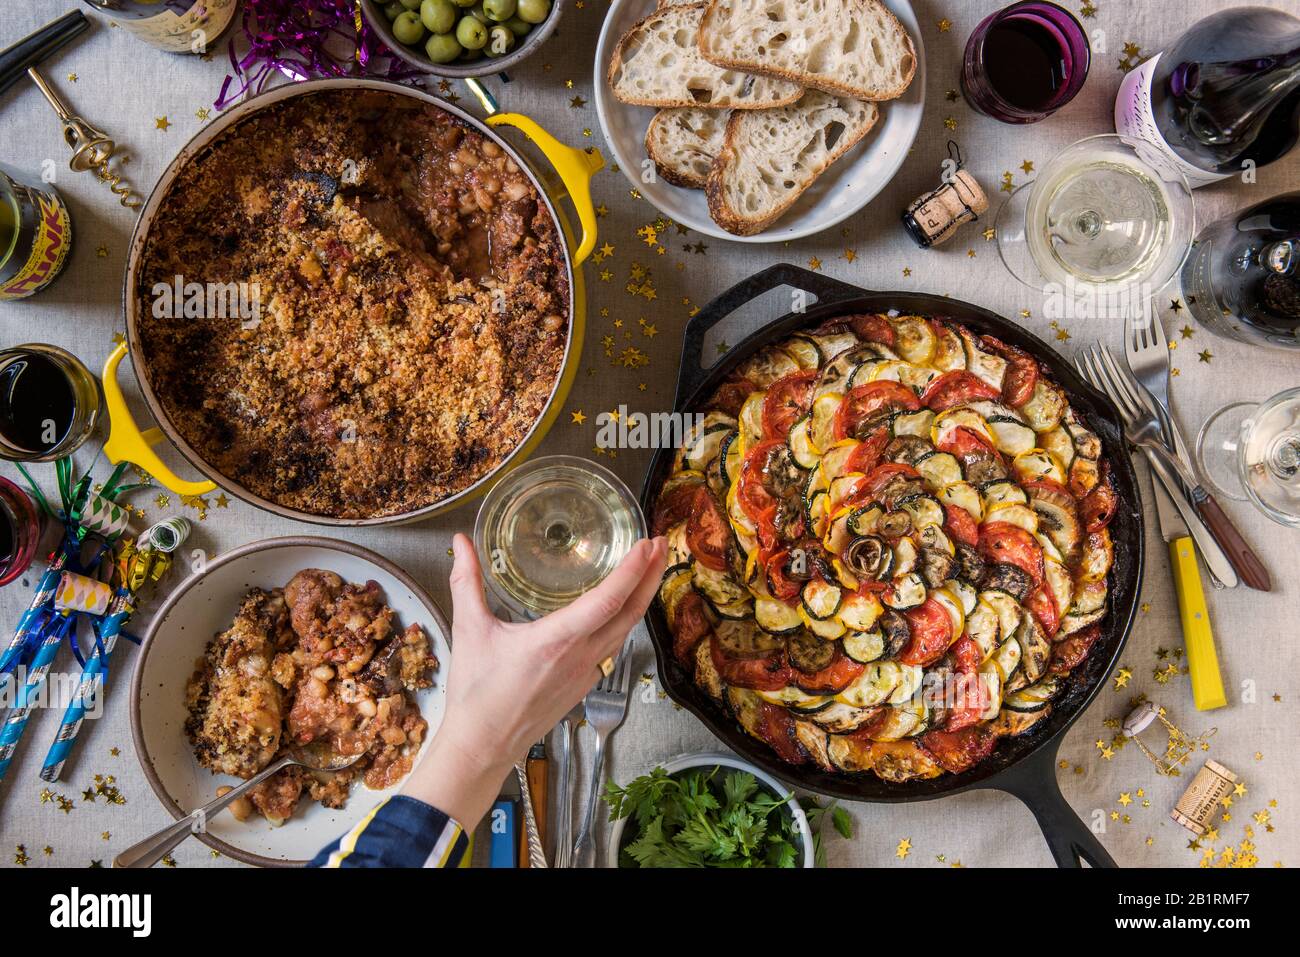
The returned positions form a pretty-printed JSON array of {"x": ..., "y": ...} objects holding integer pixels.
[
  {"x": 126, "y": 443},
  {"x": 576, "y": 168}
]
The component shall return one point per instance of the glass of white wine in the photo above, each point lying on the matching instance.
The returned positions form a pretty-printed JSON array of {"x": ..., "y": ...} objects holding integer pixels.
[
  {"x": 1251, "y": 452},
  {"x": 552, "y": 529},
  {"x": 1107, "y": 219}
]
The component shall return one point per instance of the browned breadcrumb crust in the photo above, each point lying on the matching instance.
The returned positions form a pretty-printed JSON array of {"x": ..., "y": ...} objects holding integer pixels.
[
  {"x": 414, "y": 304},
  {"x": 318, "y": 661}
]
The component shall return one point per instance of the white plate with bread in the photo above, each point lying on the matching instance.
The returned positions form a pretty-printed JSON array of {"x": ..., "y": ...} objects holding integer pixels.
[{"x": 760, "y": 120}]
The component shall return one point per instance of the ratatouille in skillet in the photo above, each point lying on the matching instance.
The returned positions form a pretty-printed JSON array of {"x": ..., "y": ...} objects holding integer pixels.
[{"x": 888, "y": 545}]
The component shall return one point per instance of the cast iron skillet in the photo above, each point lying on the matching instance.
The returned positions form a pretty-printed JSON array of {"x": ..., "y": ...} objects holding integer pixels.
[{"x": 1024, "y": 766}]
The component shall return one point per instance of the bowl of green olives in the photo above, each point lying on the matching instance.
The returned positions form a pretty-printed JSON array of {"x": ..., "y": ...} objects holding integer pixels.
[{"x": 462, "y": 38}]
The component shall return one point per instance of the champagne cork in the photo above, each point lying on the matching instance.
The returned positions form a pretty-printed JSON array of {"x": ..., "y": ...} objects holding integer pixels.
[
  {"x": 1197, "y": 805},
  {"x": 934, "y": 218}
]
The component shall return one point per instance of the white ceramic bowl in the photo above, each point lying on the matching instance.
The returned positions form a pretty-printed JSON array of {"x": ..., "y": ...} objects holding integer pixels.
[
  {"x": 718, "y": 759},
  {"x": 205, "y": 604},
  {"x": 842, "y": 190}
]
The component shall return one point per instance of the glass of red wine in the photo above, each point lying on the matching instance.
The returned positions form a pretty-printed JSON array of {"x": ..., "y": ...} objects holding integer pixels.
[
  {"x": 21, "y": 525},
  {"x": 1025, "y": 62}
]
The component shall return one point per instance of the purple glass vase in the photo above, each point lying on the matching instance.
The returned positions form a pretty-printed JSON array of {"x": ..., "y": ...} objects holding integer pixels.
[{"x": 1025, "y": 62}]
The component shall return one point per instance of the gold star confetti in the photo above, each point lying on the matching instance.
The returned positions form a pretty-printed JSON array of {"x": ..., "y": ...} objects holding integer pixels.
[
  {"x": 1131, "y": 49},
  {"x": 46, "y": 795},
  {"x": 1027, "y": 166},
  {"x": 970, "y": 254},
  {"x": 951, "y": 96},
  {"x": 1205, "y": 355},
  {"x": 20, "y": 855},
  {"x": 169, "y": 861},
  {"x": 201, "y": 113},
  {"x": 944, "y": 25},
  {"x": 1088, "y": 10},
  {"x": 72, "y": 78},
  {"x": 950, "y": 122},
  {"x": 161, "y": 123},
  {"x": 906, "y": 271},
  {"x": 578, "y": 417},
  {"x": 101, "y": 251},
  {"x": 1176, "y": 305},
  {"x": 850, "y": 255},
  {"x": 814, "y": 263},
  {"x": 1122, "y": 678},
  {"x": 1240, "y": 789},
  {"x": 1062, "y": 335},
  {"x": 1125, "y": 799},
  {"x": 904, "y": 848},
  {"x": 568, "y": 84},
  {"x": 990, "y": 233},
  {"x": 1186, "y": 332},
  {"x": 577, "y": 103}
]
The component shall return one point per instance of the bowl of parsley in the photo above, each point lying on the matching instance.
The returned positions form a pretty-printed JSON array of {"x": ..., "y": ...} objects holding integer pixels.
[{"x": 709, "y": 810}]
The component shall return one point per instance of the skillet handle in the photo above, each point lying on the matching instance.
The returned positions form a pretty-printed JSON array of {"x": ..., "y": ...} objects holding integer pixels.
[
  {"x": 1033, "y": 781},
  {"x": 693, "y": 369}
]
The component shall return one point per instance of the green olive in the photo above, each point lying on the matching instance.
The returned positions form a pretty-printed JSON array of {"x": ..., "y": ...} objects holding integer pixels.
[
  {"x": 407, "y": 28},
  {"x": 471, "y": 34},
  {"x": 477, "y": 13},
  {"x": 500, "y": 41},
  {"x": 411, "y": 4},
  {"x": 534, "y": 11},
  {"x": 439, "y": 16},
  {"x": 442, "y": 48},
  {"x": 393, "y": 9},
  {"x": 500, "y": 10},
  {"x": 466, "y": 3},
  {"x": 518, "y": 27}
]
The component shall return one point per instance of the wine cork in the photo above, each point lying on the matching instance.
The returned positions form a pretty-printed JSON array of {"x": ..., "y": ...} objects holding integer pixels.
[
  {"x": 1198, "y": 803},
  {"x": 79, "y": 593},
  {"x": 933, "y": 218}
]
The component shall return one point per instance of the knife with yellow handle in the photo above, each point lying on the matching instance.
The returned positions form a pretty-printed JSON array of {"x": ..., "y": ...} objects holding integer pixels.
[{"x": 1198, "y": 636}]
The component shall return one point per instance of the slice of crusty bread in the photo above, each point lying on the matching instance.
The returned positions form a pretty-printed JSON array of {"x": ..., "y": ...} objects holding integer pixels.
[
  {"x": 854, "y": 48},
  {"x": 683, "y": 142},
  {"x": 769, "y": 158},
  {"x": 658, "y": 63}
]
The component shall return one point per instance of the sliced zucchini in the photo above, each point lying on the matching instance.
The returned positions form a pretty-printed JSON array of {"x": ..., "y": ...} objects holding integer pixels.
[
  {"x": 744, "y": 639},
  {"x": 1002, "y": 492},
  {"x": 1007, "y": 658},
  {"x": 1038, "y": 464},
  {"x": 1058, "y": 442},
  {"x": 718, "y": 587},
  {"x": 1034, "y": 698},
  {"x": 913, "y": 423},
  {"x": 750, "y": 421},
  {"x": 982, "y": 628},
  {"x": 905, "y": 592},
  {"x": 671, "y": 593},
  {"x": 829, "y": 629},
  {"x": 860, "y": 611},
  {"x": 800, "y": 447},
  {"x": 939, "y": 469},
  {"x": 965, "y": 592},
  {"x": 865, "y": 520},
  {"x": 834, "y": 344},
  {"x": 679, "y": 553},
  {"x": 1010, "y": 724},
  {"x": 838, "y": 370},
  {"x": 706, "y": 673},
  {"x": 952, "y": 604},
  {"x": 1098, "y": 554},
  {"x": 864, "y": 647},
  {"x": 835, "y": 460},
  {"x": 958, "y": 418},
  {"x": 736, "y": 611},
  {"x": 776, "y": 617},
  {"x": 732, "y": 458},
  {"x": 909, "y": 682},
  {"x": 821, "y": 427},
  {"x": 706, "y": 445},
  {"x": 768, "y": 365},
  {"x": 1086, "y": 443},
  {"x": 933, "y": 536},
  {"x": 900, "y": 720},
  {"x": 815, "y": 741},
  {"x": 991, "y": 675},
  {"x": 949, "y": 353},
  {"x": 805, "y": 351},
  {"x": 820, "y": 599},
  {"x": 1035, "y": 649},
  {"x": 1007, "y": 609},
  {"x": 1021, "y": 516},
  {"x": 980, "y": 362},
  {"x": 915, "y": 341},
  {"x": 818, "y": 512},
  {"x": 841, "y": 718},
  {"x": 904, "y": 559},
  {"x": 792, "y": 697},
  {"x": 1045, "y": 407},
  {"x": 1062, "y": 583},
  {"x": 963, "y": 495},
  {"x": 1077, "y": 621},
  {"x": 878, "y": 681},
  {"x": 925, "y": 510},
  {"x": 1089, "y": 596},
  {"x": 1011, "y": 437}
]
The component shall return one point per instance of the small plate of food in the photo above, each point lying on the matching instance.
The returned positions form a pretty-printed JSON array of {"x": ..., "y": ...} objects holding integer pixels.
[
  {"x": 288, "y": 641},
  {"x": 760, "y": 121}
]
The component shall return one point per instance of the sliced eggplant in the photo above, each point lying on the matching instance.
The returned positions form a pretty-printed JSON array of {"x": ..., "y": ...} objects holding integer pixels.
[
  {"x": 1035, "y": 649},
  {"x": 815, "y": 742},
  {"x": 1086, "y": 443},
  {"x": 808, "y": 653},
  {"x": 1097, "y": 557},
  {"x": 776, "y": 617},
  {"x": 1077, "y": 621},
  {"x": 896, "y": 631},
  {"x": 736, "y": 611},
  {"x": 837, "y": 371},
  {"x": 768, "y": 365},
  {"x": 841, "y": 718},
  {"x": 983, "y": 468},
  {"x": 706, "y": 674},
  {"x": 1009, "y": 578},
  {"x": 744, "y": 639},
  {"x": 869, "y": 557},
  {"x": 937, "y": 566},
  {"x": 899, "y": 721},
  {"x": 895, "y": 524},
  {"x": 908, "y": 449},
  {"x": 1011, "y": 724},
  {"x": 1058, "y": 442},
  {"x": 834, "y": 342},
  {"x": 746, "y": 707},
  {"x": 1058, "y": 518},
  {"x": 980, "y": 362},
  {"x": 679, "y": 552},
  {"x": 864, "y": 647},
  {"x": 907, "y": 591}
]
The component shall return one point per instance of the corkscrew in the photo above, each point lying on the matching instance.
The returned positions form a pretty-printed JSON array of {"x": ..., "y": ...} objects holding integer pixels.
[{"x": 92, "y": 150}]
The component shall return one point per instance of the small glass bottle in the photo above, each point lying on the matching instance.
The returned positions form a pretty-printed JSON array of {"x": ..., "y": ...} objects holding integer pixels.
[{"x": 35, "y": 235}]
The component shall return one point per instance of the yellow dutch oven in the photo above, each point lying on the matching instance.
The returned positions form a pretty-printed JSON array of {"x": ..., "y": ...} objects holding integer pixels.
[{"x": 575, "y": 167}]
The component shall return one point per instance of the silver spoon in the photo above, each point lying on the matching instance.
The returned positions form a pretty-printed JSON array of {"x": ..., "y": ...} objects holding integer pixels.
[{"x": 315, "y": 756}]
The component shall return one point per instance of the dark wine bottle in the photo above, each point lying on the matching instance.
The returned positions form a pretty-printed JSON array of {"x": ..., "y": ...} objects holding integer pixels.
[
  {"x": 177, "y": 26},
  {"x": 1226, "y": 93},
  {"x": 1242, "y": 279}
]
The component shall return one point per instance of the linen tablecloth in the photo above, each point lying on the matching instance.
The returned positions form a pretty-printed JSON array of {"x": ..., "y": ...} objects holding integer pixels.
[{"x": 151, "y": 103}]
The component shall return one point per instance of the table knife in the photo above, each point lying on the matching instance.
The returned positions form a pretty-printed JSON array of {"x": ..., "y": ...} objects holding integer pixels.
[{"x": 1198, "y": 637}]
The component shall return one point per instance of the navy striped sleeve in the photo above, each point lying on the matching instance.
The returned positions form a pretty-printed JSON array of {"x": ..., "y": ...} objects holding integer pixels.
[{"x": 399, "y": 832}]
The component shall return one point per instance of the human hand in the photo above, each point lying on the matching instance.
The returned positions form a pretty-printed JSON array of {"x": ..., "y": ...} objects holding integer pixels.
[{"x": 509, "y": 683}]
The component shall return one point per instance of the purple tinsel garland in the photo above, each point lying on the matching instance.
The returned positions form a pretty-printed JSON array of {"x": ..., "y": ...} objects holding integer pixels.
[{"x": 291, "y": 37}]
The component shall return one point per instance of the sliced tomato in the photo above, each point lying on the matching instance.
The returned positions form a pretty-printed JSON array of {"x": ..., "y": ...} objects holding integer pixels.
[
  {"x": 832, "y": 679},
  {"x": 966, "y": 655},
  {"x": 776, "y": 728},
  {"x": 955, "y": 388},
  {"x": 1099, "y": 505},
  {"x": 731, "y": 396},
  {"x": 1043, "y": 605},
  {"x": 863, "y": 402},
  {"x": 873, "y": 328},
  {"x": 881, "y": 474},
  {"x": 1022, "y": 371},
  {"x": 931, "y": 634},
  {"x": 960, "y": 525},
  {"x": 957, "y": 751},
  {"x": 869, "y": 452},
  {"x": 770, "y": 673},
  {"x": 788, "y": 399},
  {"x": 707, "y": 533},
  {"x": 779, "y": 583},
  {"x": 965, "y": 445},
  {"x": 1004, "y": 542},
  {"x": 690, "y": 625},
  {"x": 966, "y": 697},
  {"x": 1069, "y": 653},
  {"x": 673, "y": 507},
  {"x": 752, "y": 494},
  {"x": 1048, "y": 485}
]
